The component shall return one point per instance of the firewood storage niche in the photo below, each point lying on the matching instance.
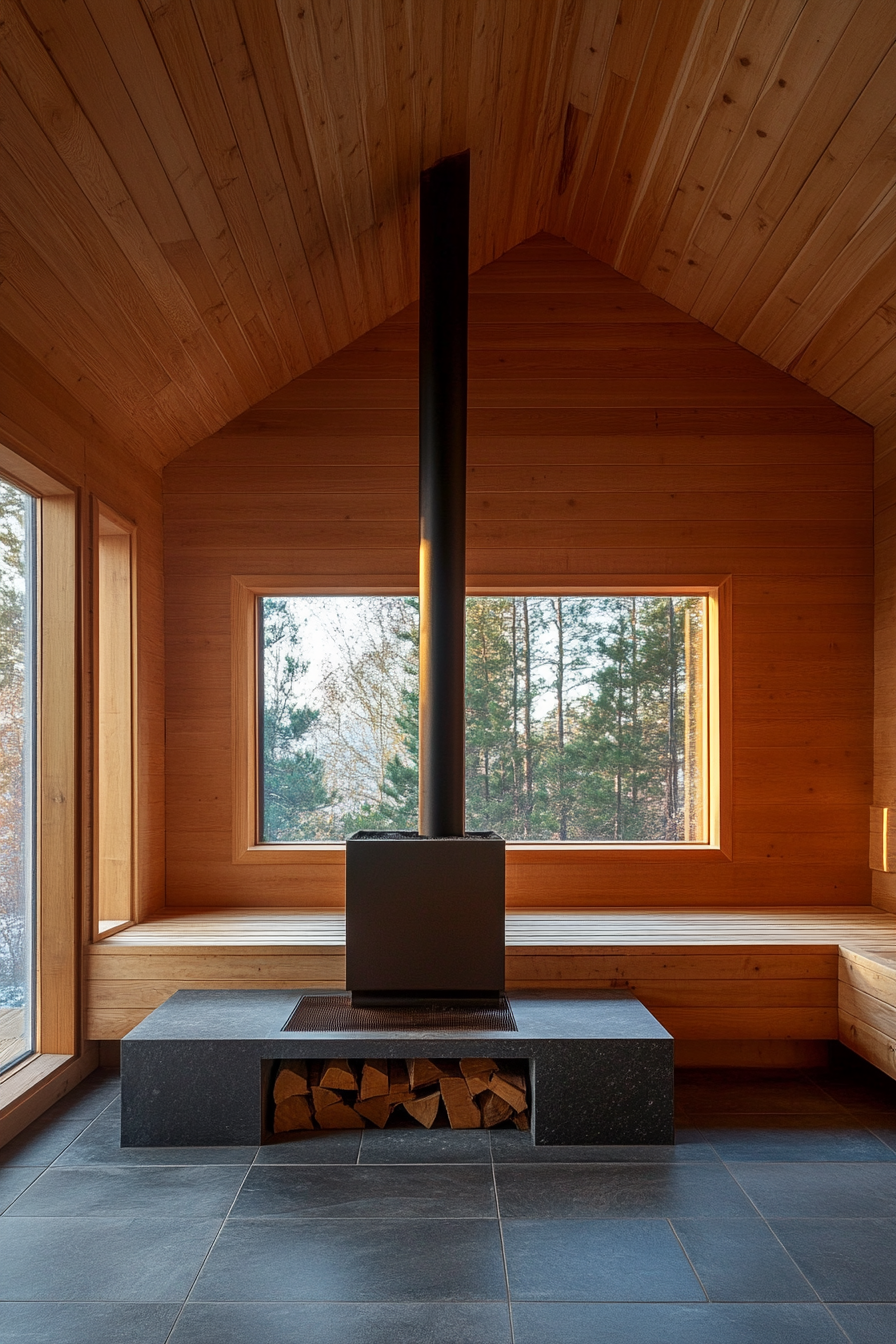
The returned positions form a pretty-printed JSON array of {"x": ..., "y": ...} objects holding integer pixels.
[{"x": 331, "y": 1094}]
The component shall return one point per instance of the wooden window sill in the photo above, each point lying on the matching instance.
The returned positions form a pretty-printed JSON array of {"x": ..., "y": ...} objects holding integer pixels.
[{"x": 558, "y": 852}]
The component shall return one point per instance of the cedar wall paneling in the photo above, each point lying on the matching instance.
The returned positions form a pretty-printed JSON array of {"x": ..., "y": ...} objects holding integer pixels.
[
  {"x": 41, "y": 421},
  {"x": 884, "y": 884},
  {"x": 609, "y": 434}
]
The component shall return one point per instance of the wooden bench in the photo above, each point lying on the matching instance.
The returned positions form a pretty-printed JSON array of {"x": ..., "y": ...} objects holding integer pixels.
[
  {"x": 867, "y": 1003},
  {"x": 731, "y": 985}
]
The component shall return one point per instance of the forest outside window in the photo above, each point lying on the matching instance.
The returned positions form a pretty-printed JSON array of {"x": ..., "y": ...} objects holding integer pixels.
[
  {"x": 588, "y": 717},
  {"x": 18, "y": 741}
]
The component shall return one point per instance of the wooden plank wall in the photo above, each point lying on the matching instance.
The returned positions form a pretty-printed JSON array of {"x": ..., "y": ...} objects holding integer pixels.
[
  {"x": 43, "y": 423},
  {"x": 609, "y": 434},
  {"x": 884, "y": 884}
]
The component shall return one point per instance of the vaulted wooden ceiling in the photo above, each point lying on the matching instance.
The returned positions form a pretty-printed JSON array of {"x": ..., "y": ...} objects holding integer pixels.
[{"x": 203, "y": 198}]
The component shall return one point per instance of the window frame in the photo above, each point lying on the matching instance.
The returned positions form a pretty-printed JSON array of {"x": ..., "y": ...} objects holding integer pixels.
[
  {"x": 245, "y": 713},
  {"x": 57, "y": 1026},
  {"x": 101, "y": 513}
]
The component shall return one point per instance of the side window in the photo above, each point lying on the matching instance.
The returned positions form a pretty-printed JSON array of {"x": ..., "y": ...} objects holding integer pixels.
[
  {"x": 18, "y": 741},
  {"x": 114, "y": 869}
]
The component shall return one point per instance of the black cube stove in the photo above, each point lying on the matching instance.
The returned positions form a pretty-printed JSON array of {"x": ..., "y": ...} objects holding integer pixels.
[{"x": 424, "y": 919}]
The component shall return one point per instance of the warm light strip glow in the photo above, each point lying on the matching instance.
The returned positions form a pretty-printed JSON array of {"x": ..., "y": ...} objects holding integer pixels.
[{"x": 884, "y": 827}]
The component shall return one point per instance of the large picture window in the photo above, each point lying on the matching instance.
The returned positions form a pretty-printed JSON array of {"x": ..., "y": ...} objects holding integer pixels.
[
  {"x": 18, "y": 680},
  {"x": 587, "y": 717}
]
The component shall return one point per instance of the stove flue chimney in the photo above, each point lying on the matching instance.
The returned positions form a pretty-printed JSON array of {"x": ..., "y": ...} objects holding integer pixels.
[{"x": 444, "y": 265}]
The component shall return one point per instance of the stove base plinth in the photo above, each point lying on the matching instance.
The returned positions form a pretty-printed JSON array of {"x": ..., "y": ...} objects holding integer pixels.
[{"x": 196, "y": 1072}]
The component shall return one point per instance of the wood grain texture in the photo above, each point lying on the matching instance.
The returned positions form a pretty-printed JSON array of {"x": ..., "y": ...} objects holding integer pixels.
[
  {"x": 115, "y": 721},
  {"x": 867, "y": 1003},
  {"x": 203, "y": 200},
  {"x": 884, "y": 883},
  {"x": 57, "y": 822},
  {"x": 712, "y": 974},
  {"x": 575, "y": 479}
]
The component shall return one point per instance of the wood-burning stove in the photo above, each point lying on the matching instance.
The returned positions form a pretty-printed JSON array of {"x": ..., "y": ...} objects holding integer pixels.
[{"x": 425, "y": 910}]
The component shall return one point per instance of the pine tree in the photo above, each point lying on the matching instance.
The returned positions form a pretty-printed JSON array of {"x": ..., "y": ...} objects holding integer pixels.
[
  {"x": 490, "y": 766},
  {"x": 398, "y": 805}
]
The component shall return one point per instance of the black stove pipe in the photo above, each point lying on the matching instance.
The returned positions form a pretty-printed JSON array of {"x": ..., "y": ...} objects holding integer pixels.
[{"x": 444, "y": 265}]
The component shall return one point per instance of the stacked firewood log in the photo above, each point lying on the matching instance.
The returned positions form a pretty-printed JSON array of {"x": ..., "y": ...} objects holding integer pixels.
[{"x": 354, "y": 1094}]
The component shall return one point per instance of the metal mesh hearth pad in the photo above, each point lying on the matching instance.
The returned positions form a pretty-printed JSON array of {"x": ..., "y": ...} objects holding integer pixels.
[{"x": 334, "y": 1012}]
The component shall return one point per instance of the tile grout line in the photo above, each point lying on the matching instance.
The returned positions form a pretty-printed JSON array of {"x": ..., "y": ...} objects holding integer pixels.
[
  {"x": 501, "y": 1236},
  {"x": 826, "y": 1305},
  {"x": 671, "y": 1227},
  {"x": 766, "y": 1223},
  {"x": 209, "y": 1251},
  {"x": 41, "y": 1172},
  {"x": 78, "y": 1136}
]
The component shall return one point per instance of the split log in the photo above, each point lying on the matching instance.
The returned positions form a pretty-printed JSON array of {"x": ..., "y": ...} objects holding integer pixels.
[
  {"x": 374, "y": 1078},
  {"x": 324, "y": 1097},
  {"x": 339, "y": 1116},
  {"x": 421, "y": 1072},
  {"x": 478, "y": 1084},
  {"x": 338, "y": 1073},
  {"x": 375, "y": 1109},
  {"x": 292, "y": 1080},
  {"x": 293, "y": 1112},
  {"x": 341, "y": 1094},
  {"x": 463, "y": 1113},
  {"x": 495, "y": 1109},
  {"x": 424, "y": 1109},
  {"x": 474, "y": 1068},
  {"x": 512, "y": 1087}
]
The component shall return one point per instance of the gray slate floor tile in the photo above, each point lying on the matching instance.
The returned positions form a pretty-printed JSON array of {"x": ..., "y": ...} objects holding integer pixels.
[
  {"x": 845, "y": 1259},
  {"x": 860, "y": 1089},
  {"x": 819, "y": 1189},
  {"x": 314, "y": 1148},
  {"x": 673, "y": 1323},
  {"x": 100, "y": 1145},
  {"x": 743, "y": 1091},
  {"x": 102, "y": 1259},
  {"x": 793, "y": 1138},
  {"x": 41, "y": 1143},
  {"x": 508, "y": 1145},
  {"x": 354, "y": 1260},
  {"x": 597, "y": 1260},
  {"x": 85, "y": 1323},
  {"x": 866, "y": 1323},
  {"x": 741, "y": 1260},
  {"x": 131, "y": 1192},
  {"x": 89, "y": 1099},
  {"x": 816, "y": 1151},
  {"x": 339, "y": 1323},
  {"x": 13, "y": 1180},
  {"x": 417, "y": 1145},
  {"x": 654, "y": 1190},
  {"x": 368, "y": 1192},
  {"x": 881, "y": 1125}
]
